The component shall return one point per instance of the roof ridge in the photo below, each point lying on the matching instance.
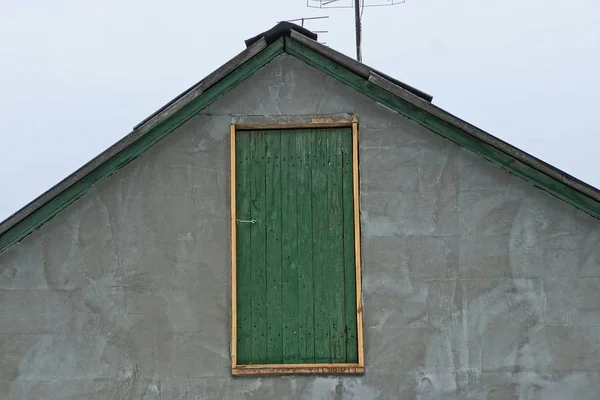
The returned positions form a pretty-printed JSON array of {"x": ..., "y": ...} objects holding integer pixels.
[
  {"x": 280, "y": 30},
  {"x": 394, "y": 94}
]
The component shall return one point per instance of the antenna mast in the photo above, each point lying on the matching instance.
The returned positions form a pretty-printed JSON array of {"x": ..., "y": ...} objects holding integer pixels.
[
  {"x": 359, "y": 7},
  {"x": 358, "y": 28}
]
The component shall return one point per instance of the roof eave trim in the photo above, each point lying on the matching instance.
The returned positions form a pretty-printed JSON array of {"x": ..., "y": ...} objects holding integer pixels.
[
  {"x": 160, "y": 124},
  {"x": 351, "y": 64},
  {"x": 517, "y": 154},
  {"x": 406, "y": 103},
  {"x": 196, "y": 90},
  {"x": 391, "y": 93}
]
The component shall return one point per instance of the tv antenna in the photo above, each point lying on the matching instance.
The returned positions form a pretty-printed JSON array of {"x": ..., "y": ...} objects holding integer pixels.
[
  {"x": 302, "y": 20},
  {"x": 359, "y": 7}
]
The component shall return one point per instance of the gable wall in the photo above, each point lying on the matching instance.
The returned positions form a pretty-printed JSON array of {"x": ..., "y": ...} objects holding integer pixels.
[{"x": 476, "y": 284}]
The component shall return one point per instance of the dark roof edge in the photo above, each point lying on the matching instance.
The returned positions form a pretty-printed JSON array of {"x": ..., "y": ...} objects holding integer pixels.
[
  {"x": 579, "y": 190},
  {"x": 359, "y": 69},
  {"x": 488, "y": 138},
  {"x": 255, "y": 45},
  {"x": 266, "y": 38},
  {"x": 143, "y": 127},
  {"x": 405, "y": 93},
  {"x": 205, "y": 83},
  {"x": 282, "y": 29}
]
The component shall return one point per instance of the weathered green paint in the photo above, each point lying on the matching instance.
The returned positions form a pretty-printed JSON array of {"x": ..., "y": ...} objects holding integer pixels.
[
  {"x": 258, "y": 248},
  {"x": 295, "y": 251},
  {"x": 118, "y": 161},
  {"x": 455, "y": 134},
  {"x": 335, "y": 245},
  {"x": 274, "y": 305},
  {"x": 290, "y": 253},
  {"x": 244, "y": 273},
  {"x": 306, "y": 332},
  {"x": 349, "y": 264},
  {"x": 319, "y": 237}
]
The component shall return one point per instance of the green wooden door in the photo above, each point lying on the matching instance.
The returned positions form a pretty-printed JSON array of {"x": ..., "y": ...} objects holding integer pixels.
[{"x": 296, "y": 290}]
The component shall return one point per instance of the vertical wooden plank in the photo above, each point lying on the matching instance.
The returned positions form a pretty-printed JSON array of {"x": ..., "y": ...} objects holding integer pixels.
[
  {"x": 335, "y": 249},
  {"x": 290, "y": 259},
  {"x": 319, "y": 237},
  {"x": 258, "y": 249},
  {"x": 232, "y": 201},
  {"x": 349, "y": 260},
  {"x": 273, "y": 227},
  {"x": 243, "y": 248},
  {"x": 355, "y": 178},
  {"x": 306, "y": 341}
]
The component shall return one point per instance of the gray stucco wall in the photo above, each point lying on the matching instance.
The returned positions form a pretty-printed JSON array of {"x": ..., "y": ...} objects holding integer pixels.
[{"x": 476, "y": 284}]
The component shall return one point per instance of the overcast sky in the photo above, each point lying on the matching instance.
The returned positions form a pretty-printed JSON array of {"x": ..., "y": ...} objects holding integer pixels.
[{"x": 76, "y": 76}]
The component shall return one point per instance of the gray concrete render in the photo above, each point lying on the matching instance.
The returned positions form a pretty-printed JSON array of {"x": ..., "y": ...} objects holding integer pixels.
[{"x": 476, "y": 284}]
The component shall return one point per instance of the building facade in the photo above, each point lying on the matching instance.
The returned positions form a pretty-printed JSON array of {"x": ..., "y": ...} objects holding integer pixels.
[{"x": 474, "y": 282}]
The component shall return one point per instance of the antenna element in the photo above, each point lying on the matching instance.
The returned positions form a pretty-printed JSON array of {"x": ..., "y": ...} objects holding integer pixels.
[{"x": 359, "y": 7}]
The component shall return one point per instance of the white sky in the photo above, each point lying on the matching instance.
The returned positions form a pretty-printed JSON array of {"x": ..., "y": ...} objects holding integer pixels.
[{"x": 76, "y": 76}]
